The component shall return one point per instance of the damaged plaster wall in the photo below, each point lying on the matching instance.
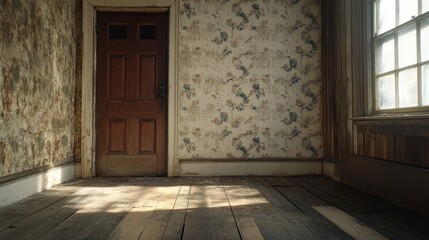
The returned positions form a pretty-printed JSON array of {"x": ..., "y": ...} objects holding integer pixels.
[
  {"x": 37, "y": 83},
  {"x": 249, "y": 79},
  {"x": 78, "y": 86}
]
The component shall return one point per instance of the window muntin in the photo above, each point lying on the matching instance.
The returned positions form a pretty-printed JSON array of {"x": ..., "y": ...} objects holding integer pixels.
[
  {"x": 401, "y": 42},
  {"x": 117, "y": 31},
  {"x": 424, "y": 39},
  {"x": 425, "y": 84}
]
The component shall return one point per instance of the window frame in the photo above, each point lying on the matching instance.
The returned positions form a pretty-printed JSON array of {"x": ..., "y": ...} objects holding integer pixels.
[{"x": 373, "y": 76}]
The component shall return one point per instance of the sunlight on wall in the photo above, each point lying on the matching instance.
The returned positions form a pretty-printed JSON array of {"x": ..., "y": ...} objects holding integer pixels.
[
  {"x": 249, "y": 79},
  {"x": 37, "y": 80}
]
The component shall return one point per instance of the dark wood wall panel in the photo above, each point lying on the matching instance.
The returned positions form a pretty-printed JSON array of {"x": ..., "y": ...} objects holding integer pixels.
[
  {"x": 377, "y": 146},
  {"x": 394, "y": 144},
  {"x": 332, "y": 51},
  {"x": 412, "y": 150}
]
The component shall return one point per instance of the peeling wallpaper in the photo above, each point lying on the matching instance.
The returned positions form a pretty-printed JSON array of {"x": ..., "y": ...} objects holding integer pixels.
[
  {"x": 249, "y": 79},
  {"x": 78, "y": 86},
  {"x": 37, "y": 83}
]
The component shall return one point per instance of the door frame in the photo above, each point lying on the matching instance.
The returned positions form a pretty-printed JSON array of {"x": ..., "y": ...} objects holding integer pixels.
[{"x": 86, "y": 168}]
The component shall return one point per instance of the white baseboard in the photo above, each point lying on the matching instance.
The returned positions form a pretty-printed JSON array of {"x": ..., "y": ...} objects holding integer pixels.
[
  {"x": 18, "y": 189},
  {"x": 252, "y": 168}
]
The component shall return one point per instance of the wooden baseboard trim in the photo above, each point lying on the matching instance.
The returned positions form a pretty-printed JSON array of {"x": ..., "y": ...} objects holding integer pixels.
[
  {"x": 331, "y": 160},
  {"x": 332, "y": 169},
  {"x": 26, "y": 173},
  {"x": 245, "y": 160},
  {"x": 220, "y": 167}
]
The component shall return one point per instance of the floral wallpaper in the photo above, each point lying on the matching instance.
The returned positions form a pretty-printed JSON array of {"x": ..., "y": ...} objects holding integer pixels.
[
  {"x": 37, "y": 83},
  {"x": 249, "y": 79}
]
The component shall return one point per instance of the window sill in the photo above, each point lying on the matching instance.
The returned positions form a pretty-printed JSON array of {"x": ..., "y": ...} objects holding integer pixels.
[
  {"x": 405, "y": 124},
  {"x": 392, "y": 117}
]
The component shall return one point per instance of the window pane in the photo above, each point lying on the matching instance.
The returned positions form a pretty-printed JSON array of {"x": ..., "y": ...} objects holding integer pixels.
[
  {"x": 425, "y": 84},
  {"x": 425, "y": 6},
  {"x": 407, "y": 86},
  {"x": 424, "y": 39},
  {"x": 117, "y": 32},
  {"x": 386, "y": 92},
  {"x": 147, "y": 31},
  {"x": 386, "y": 19},
  {"x": 407, "y": 46},
  {"x": 408, "y": 9},
  {"x": 386, "y": 55}
]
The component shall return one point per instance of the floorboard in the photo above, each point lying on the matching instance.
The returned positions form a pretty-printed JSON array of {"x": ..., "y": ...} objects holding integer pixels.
[
  {"x": 175, "y": 224},
  {"x": 208, "y": 208},
  {"x": 358, "y": 205},
  {"x": 9, "y": 216}
]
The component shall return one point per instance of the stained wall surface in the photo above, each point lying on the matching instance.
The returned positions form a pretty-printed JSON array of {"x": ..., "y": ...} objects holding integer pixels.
[
  {"x": 37, "y": 83},
  {"x": 249, "y": 79}
]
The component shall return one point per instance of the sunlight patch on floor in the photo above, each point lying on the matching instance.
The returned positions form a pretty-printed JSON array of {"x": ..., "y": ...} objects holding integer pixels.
[{"x": 348, "y": 223}]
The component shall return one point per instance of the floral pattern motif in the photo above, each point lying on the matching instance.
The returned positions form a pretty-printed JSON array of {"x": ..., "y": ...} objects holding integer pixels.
[
  {"x": 37, "y": 83},
  {"x": 250, "y": 79}
]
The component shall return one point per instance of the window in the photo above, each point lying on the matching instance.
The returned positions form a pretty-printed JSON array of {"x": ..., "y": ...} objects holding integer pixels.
[
  {"x": 401, "y": 42},
  {"x": 147, "y": 31},
  {"x": 117, "y": 31}
]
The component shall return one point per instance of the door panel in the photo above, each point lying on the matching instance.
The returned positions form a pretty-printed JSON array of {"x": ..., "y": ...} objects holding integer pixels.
[
  {"x": 147, "y": 76},
  {"x": 117, "y": 136},
  {"x": 130, "y": 99},
  {"x": 147, "y": 137},
  {"x": 117, "y": 76}
]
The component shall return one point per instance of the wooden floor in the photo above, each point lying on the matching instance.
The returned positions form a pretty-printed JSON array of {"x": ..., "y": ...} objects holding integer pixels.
[{"x": 208, "y": 208}]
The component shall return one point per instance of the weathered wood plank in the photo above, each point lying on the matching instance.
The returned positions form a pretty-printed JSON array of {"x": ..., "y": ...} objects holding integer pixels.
[
  {"x": 316, "y": 223},
  {"x": 199, "y": 222},
  {"x": 349, "y": 224},
  {"x": 392, "y": 216},
  {"x": 279, "y": 181},
  {"x": 273, "y": 224},
  {"x": 122, "y": 203},
  {"x": 303, "y": 224},
  {"x": 157, "y": 223},
  {"x": 18, "y": 211},
  {"x": 175, "y": 224},
  {"x": 208, "y": 208},
  {"x": 359, "y": 207},
  {"x": 225, "y": 225},
  {"x": 97, "y": 203},
  {"x": 133, "y": 224},
  {"x": 37, "y": 224},
  {"x": 240, "y": 203}
]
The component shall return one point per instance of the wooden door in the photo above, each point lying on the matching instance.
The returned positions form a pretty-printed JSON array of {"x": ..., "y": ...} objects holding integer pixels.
[{"x": 131, "y": 97}]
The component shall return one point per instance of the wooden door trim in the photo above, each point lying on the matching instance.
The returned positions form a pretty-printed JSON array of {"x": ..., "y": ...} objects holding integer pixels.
[{"x": 86, "y": 168}]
